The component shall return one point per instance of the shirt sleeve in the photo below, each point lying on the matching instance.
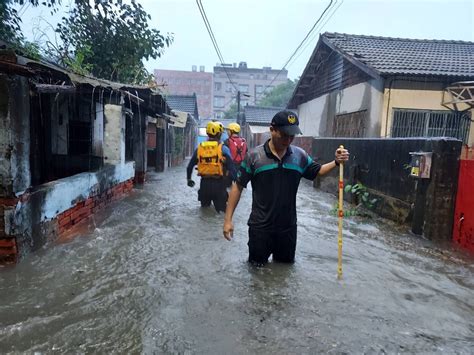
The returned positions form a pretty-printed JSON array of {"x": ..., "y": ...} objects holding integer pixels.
[
  {"x": 191, "y": 164},
  {"x": 312, "y": 169},
  {"x": 245, "y": 173}
]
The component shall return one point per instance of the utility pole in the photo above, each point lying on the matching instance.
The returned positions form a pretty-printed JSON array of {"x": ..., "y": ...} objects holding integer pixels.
[{"x": 238, "y": 107}]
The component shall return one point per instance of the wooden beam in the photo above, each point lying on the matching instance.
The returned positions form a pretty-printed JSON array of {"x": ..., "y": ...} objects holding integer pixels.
[
  {"x": 11, "y": 68},
  {"x": 53, "y": 89}
]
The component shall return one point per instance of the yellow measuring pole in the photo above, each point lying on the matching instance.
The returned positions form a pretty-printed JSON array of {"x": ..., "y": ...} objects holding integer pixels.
[{"x": 341, "y": 215}]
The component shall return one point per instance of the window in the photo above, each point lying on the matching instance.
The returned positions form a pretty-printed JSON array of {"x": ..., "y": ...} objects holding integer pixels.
[
  {"x": 218, "y": 101},
  {"x": 243, "y": 88},
  {"x": 350, "y": 124},
  {"x": 422, "y": 123},
  {"x": 258, "y": 89},
  {"x": 217, "y": 86},
  {"x": 228, "y": 87},
  {"x": 80, "y": 137}
]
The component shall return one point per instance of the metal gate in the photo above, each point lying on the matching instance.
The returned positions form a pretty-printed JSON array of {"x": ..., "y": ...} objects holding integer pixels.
[{"x": 463, "y": 230}]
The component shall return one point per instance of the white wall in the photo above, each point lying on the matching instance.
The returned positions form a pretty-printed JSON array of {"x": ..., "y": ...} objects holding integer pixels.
[{"x": 316, "y": 115}]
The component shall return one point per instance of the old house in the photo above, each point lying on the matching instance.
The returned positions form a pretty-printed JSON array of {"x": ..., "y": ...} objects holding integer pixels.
[
  {"x": 69, "y": 144},
  {"x": 185, "y": 131},
  {"x": 401, "y": 106},
  {"x": 366, "y": 86},
  {"x": 257, "y": 123}
]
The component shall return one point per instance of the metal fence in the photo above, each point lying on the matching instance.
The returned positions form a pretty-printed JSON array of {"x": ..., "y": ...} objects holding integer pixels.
[{"x": 420, "y": 123}]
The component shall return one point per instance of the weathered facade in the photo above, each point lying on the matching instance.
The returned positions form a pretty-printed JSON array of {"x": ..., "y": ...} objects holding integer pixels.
[
  {"x": 184, "y": 130},
  {"x": 69, "y": 144},
  {"x": 365, "y": 86}
]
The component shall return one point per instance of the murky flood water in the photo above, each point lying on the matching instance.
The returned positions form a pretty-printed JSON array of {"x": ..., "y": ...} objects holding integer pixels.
[{"x": 152, "y": 274}]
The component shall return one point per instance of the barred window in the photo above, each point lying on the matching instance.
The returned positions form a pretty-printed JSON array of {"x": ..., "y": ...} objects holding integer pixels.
[
  {"x": 350, "y": 124},
  {"x": 423, "y": 123}
]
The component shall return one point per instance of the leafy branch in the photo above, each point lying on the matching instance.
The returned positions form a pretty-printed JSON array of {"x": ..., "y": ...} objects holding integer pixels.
[{"x": 362, "y": 198}]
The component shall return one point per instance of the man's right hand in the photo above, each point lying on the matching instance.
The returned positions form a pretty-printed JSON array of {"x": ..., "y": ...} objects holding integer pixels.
[
  {"x": 191, "y": 183},
  {"x": 228, "y": 230}
]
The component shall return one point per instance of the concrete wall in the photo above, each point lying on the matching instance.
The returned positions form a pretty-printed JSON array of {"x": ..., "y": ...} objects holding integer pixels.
[
  {"x": 14, "y": 135},
  {"x": 114, "y": 134},
  {"x": 316, "y": 116},
  {"x": 31, "y": 220},
  {"x": 381, "y": 165},
  {"x": 412, "y": 95}
]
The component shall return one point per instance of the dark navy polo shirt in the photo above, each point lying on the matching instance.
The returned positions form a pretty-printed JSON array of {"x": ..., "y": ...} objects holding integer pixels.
[{"x": 275, "y": 184}]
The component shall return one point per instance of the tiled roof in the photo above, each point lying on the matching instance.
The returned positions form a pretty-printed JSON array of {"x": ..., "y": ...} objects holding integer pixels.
[
  {"x": 393, "y": 56},
  {"x": 185, "y": 103},
  {"x": 259, "y": 115}
]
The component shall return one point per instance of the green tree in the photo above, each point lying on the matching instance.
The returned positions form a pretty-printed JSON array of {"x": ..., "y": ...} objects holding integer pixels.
[
  {"x": 231, "y": 112},
  {"x": 280, "y": 95},
  {"x": 10, "y": 23},
  {"x": 111, "y": 38}
]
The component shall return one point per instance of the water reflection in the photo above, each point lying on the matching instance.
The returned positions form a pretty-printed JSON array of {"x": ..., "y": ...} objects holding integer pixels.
[{"x": 152, "y": 274}]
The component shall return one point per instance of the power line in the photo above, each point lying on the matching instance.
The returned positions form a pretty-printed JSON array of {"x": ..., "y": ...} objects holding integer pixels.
[
  {"x": 301, "y": 43},
  {"x": 214, "y": 41},
  {"x": 209, "y": 29},
  {"x": 334, "y": 9}
]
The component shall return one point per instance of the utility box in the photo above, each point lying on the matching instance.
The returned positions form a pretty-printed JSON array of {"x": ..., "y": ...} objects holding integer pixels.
[{"x": 420, "y": 165}]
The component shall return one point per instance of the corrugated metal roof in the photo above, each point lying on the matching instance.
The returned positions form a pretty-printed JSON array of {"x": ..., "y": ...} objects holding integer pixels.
[
  {"x": 260, "y": 115},
  {"x": 402, "y": 56}
]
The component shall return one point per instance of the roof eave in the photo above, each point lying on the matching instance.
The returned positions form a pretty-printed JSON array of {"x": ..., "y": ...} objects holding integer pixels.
[
  {"x": 308, "y": 65},
  {"x": 364, "y": 67}
]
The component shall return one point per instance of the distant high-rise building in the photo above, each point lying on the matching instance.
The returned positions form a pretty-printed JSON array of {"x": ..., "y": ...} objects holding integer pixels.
[
  {"x": 252, "y": 83},
  {"x": 215, "y": 92},
  {"x": 180, "y": 82}
]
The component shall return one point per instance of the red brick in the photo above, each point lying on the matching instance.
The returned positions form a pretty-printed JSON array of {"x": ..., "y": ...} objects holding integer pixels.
[
  {"x": 64, "y": 220},
  {"x": 7, "y": 251},
  {"x": 7, "y": 243},
  {"x": 65, "y": 227},
  {"x": 8, "y": 201},
  {"x": 75, "y": 214}
]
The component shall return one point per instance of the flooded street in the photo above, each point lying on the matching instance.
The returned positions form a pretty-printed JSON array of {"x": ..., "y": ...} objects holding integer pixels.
[{"x": 153, "y": 274}]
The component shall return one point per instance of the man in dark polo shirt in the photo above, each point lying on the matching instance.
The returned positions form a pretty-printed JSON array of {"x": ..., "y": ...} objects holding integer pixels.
[{"x": 275, "y": 169}]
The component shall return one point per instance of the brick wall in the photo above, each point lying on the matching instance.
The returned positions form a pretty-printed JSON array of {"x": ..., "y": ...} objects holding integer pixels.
[
  {"x": 84, "y": 209},
  {"x": 8, "y": 247},
  {"x": 63, "y": 222}
]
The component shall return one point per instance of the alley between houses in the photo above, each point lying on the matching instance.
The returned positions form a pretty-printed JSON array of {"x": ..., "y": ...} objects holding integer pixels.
[{"x": 152, "y": 273}]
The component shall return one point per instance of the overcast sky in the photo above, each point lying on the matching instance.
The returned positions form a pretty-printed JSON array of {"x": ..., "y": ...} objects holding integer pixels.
[{"x": 266, "y": 32}]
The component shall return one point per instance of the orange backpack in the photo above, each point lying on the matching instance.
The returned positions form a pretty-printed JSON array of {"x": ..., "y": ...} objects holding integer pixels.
[{"x": 210, "y": 159}]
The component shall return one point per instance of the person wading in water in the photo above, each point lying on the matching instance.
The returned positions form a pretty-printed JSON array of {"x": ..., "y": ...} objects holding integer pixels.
[{"x": 275, "y": 169}]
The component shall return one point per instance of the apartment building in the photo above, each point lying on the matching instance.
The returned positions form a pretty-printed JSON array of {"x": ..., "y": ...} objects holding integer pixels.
[
  {"x": 180, "y": 82},
  {"x": 252, "y": 83}
]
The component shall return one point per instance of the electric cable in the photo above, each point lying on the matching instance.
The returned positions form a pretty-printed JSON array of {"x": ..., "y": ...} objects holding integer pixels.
[
  {"x": 214, "y": 41},
  {"x": 301, "y": 43}
]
